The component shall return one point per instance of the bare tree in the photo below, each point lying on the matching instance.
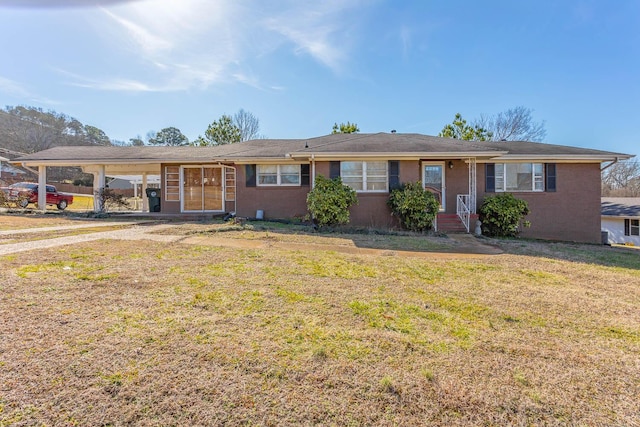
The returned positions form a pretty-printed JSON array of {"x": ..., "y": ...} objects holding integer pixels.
[
  {"x": 248, "y": 124},
  {"x": 515, "y": 124},
  {"x": 622, "y": 179}
]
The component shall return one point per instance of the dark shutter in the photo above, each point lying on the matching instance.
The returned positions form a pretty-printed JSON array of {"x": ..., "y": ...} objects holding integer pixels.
[
  {"x": 394, "y": 174},
  {"x": 627, "y": 227},
  {"x": 334, "y": 170},
  {"x": 490, "y": 177},
  {"x": 304, "y": 174},
  {"x": 551, "y": 177},
  {"x": 250, "y": 175}
]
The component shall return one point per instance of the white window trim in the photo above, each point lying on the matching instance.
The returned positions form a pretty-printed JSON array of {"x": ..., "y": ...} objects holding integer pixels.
[
  {"x": 173, "y": 190},
  {"x": 364, "y": 176},
  {"x": 533, "y": 178},
  {"x": 634, "y": 230},
  {"x": 278, "y": 176}
]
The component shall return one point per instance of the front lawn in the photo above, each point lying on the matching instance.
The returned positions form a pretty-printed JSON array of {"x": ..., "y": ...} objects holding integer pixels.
[{"x": 133, "y": 333}]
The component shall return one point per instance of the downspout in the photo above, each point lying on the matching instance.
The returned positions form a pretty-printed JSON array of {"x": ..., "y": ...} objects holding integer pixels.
[
  {"x": 23, "y": 166},
  {"x": 610, "y": 164},
  {"x": 313, "y": 171}
]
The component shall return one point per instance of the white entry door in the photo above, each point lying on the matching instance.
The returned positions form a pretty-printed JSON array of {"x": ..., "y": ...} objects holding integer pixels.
[{"x": 433, "y": 181}]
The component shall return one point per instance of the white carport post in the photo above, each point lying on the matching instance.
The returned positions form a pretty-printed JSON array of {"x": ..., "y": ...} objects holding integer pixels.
[
  {"x": 99, "y": 179},
  {"x": 42, "y": 188},
  {"x": 145, "y": 201}
]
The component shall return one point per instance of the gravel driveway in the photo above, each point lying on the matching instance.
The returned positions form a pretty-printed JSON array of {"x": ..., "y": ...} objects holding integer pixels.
[{"x": 134, "y": 232}]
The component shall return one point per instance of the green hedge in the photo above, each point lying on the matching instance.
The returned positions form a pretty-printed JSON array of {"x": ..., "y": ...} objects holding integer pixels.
[
  {"x": 502, "y": 214},
  {"x": 330, "y": 200},
  {"x": 414, "y": 207}
]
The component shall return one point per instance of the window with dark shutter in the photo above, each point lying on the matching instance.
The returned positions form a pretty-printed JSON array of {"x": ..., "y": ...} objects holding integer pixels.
[
  {"x": 394, "y": 174},
  {"x": 250, "y": 174},
  {"x": 334, "y": 169},
  {"x": 551, "y": 177},
  {"x": 627, "y": 227},
  {"x": 490, "y": 177},
  {"x": 304, "y": 175}
]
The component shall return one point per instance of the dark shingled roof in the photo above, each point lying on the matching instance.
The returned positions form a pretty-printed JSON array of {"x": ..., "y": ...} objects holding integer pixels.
[
  {"x": 357, "y": 143},
  {"x": 621, "y": 206}
]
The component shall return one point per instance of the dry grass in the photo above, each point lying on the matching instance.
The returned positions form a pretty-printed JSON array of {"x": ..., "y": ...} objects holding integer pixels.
[
  {"x": 35, "y": 220},
  {"x": 127, "y": 333}
]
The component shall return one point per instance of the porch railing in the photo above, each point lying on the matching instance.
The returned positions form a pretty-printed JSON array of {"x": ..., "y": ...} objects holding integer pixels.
[{"x": 463, "y": 210}]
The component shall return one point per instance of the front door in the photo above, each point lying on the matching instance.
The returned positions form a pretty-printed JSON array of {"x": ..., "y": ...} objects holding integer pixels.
[
  {"x": 433, "y": 180},
  {"x": 202, "y": 189}
]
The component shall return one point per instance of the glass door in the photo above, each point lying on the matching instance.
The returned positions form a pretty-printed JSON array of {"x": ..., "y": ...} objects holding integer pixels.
[
  {"x": 433, "y": 181},
  {"x": 202, "y": 189}
]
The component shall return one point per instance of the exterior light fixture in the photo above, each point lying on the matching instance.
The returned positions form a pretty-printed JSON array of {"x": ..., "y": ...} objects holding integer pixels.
[{"x": 450, "y": 164}]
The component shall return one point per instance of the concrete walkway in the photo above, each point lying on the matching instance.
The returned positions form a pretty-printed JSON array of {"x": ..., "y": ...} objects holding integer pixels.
[
  {"x": 135, "y": 232},
  {"x": 64, "y": 227}
]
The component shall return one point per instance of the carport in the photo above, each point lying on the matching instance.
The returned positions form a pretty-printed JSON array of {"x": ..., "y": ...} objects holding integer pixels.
[{"x": 99, "y": 161}]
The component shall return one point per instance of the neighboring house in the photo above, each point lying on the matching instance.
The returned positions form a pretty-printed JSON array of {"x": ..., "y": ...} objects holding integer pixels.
[
  {"x": 560, "y": 183},
  {"x": 621, "y": 219}
]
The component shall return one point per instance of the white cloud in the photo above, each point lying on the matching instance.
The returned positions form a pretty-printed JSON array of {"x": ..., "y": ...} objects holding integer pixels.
[
  {"x": 196, "y": 43},
  {"x": 321, "y": 29}
]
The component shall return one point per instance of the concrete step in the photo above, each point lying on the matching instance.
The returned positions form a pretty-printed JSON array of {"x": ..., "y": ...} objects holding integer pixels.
[{"x": 451, "y": 223}]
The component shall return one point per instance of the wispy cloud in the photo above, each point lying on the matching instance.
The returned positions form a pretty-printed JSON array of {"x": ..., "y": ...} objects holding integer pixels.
[
  {"x": 17, "y": 90},
  {"x": 13, "y": 88},
  {"x": 405, "y": 40},
  {"x": 323, "y": 30},
  {"x": 196, "y": 43}
]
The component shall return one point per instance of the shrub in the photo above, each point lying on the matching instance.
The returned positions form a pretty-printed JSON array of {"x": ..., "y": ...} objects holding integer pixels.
[
  {"x": 330, "y": 200},
  {"x": 502, "y": 214},
  {"x": 415, "y": 207},
  {"x": 110, "y": 199}
]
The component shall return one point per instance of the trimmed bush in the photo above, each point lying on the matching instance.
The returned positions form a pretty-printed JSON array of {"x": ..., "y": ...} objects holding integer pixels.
[
  {"x": 330, "y": 200},
  {"x": 415, "y": 207},
  {"x": 502, "y": 214}
]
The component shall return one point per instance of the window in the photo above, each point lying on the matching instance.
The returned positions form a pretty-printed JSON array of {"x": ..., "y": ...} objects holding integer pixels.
[
  {"x": 519, "y": 177},
  {"x": 278, "y": 174},
  {"x": 632, "y": 227},
  {"x": 365, "y": 176},
  {"x": 172, "y": 183}
]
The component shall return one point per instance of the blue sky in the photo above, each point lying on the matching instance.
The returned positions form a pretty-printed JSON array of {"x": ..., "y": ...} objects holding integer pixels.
[{"x": 129, "y": 67}]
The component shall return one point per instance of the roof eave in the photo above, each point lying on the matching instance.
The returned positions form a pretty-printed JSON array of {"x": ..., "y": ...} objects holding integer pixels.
[
  {"x": 568, "y": 158},
  {"x": 393, "y": 155}
]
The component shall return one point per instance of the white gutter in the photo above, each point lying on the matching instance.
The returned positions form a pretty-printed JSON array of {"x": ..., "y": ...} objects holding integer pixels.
[
  {"x": 566, "y": 157},
  {"x": 395, "y": 155}
]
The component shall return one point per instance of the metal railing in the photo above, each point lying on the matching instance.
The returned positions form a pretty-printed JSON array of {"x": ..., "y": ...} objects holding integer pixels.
[{"x": 462, "y": 209}]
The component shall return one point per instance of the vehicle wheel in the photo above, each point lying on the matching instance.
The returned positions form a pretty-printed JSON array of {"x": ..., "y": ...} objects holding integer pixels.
[
  {"x": 62, "y": 205},
  {"x": 23, "y": 203}
]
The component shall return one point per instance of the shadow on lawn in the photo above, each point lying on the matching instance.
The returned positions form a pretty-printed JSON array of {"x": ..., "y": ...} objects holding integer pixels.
[{"x": 609, "y": 256}]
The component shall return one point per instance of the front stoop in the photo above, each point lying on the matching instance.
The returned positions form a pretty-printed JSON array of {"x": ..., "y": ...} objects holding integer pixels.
[{"x": 451, "y": 223}]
